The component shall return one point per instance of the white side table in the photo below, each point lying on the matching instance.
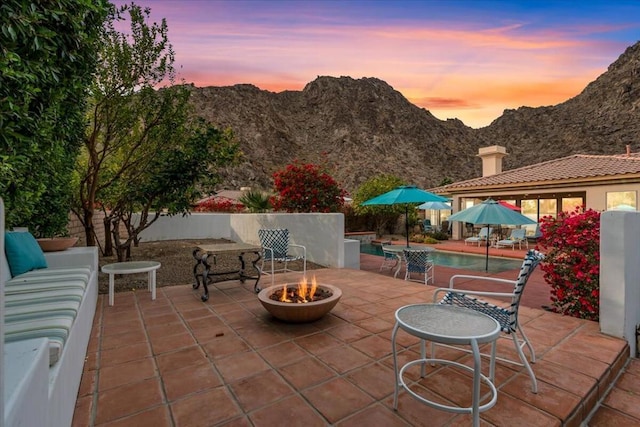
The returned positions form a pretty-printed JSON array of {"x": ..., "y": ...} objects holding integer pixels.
[
  {"x": 131, "y": 267},
  {"x": 448, "y": 324}
]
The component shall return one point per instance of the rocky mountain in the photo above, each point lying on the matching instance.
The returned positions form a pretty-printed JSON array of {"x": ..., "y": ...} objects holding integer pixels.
[{"x": 361, "y": 128}]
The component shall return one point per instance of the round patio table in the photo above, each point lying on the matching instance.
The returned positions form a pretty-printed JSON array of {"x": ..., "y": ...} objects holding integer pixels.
[
  {"x": 131, "y": 267},
  {"x": 452, "y": 325}
]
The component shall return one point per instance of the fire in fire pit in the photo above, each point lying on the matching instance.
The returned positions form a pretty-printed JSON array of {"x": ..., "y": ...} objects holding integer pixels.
[
  {"x": 300, "y": 302},
  {"x": 302, "y": 293}
]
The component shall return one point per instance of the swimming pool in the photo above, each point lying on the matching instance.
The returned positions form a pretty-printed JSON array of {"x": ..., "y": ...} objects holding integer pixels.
[{"x": 457, "y": 260}]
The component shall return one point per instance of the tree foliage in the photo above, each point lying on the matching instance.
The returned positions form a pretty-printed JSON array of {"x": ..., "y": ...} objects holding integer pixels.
[
  {"x": 143, "y": 150},
  {"x": 48, "y": 57},
  {"x": 306, "y": 187},
  {"x": 382, "y": 215}
]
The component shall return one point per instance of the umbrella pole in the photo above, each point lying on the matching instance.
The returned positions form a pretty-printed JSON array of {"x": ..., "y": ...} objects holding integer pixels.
[
  {"x": 486, "y": 262},
  {"x": 406, "y": 222}
]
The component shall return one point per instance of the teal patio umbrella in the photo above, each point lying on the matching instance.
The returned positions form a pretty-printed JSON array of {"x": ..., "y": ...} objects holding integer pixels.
[
  {"x": 488, "y": 213},
  {"x": 406, "y": 195},
  {"x": 435, "y": 206}
]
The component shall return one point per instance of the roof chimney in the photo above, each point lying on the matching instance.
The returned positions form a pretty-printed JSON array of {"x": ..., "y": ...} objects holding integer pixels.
[
  {"x": 492, "y": 159},
  {"x": 628, "y": 150}
]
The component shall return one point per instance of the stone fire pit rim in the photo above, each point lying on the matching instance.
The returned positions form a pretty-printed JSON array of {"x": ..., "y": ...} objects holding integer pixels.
[{"x": 299, "y": 312}]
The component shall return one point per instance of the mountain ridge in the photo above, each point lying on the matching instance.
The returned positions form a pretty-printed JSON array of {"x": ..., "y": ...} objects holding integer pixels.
[{"x": 360, "y": 128}]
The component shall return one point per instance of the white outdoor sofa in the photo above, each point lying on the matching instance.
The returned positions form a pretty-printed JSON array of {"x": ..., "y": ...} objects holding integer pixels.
[{"x": 48, "y": 315}]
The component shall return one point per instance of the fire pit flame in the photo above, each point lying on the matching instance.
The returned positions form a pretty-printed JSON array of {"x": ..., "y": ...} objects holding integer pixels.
[{"x": 303, "y": 293}]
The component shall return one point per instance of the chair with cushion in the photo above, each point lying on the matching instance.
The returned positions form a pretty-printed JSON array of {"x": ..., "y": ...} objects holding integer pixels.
[
  {"x": 517, "y": 237},
  {"x": 419, "y": 261},
  {"x": 277, "y": 248},
  {"x": 506, "y": 314},
  {"x": 482, "y": 236}
]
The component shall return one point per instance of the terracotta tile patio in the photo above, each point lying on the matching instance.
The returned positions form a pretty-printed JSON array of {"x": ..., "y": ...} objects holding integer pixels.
[{"x": 177, "y": 361}]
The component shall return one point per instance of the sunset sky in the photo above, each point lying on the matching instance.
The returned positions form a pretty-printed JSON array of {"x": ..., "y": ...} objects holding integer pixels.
[{"x": 459, "y": 59}]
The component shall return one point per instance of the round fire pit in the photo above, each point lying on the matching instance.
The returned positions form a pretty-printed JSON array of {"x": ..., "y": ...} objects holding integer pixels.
[{"x": 299, "y": 312}]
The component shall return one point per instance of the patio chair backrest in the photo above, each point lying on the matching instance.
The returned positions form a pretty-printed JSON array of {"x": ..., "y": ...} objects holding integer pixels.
[
  {"x": 529, "y": 264},
  {"x": 485, "y": 232},
  {"x": 277, "y": 239},
  {"x": 517, "y": 234},
  {"x": 417, "y": 260}
]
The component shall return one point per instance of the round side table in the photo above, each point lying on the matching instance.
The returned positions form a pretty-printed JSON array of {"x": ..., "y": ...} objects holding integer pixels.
[
  {"x": 131, "y": 267},
  {"x": 447, "y": 324}
]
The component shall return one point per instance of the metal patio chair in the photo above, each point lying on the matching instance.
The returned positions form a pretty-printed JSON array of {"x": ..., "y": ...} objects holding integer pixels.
[
  {"x": 276, "y": 247},
  {"x": 506, "y": 315},
  {"x": 419, "y": 261}
]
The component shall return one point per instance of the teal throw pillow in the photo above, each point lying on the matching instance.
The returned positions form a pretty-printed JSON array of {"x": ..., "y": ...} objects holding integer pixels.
[{"x": 23, "y": 252}]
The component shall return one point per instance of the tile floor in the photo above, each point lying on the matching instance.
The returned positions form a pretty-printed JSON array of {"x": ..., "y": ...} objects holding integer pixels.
[{"x": 177, "y": 361}]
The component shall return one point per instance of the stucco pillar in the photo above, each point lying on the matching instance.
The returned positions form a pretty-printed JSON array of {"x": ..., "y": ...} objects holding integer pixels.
[{"x": 620, "y": 275}]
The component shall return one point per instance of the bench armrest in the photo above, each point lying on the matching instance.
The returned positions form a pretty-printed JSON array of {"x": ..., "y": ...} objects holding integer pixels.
[{"x": 74, "y": 257}]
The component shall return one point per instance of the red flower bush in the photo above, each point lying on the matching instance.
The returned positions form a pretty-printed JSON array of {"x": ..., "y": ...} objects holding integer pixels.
[
  {"x": 571, "y": 244},
  {"x": 219, "y": 204},
  {"x": 305, "y": 187}
]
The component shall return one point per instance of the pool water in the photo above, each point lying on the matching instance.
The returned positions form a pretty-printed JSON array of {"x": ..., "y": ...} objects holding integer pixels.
[{"x": 457, "y": 260}]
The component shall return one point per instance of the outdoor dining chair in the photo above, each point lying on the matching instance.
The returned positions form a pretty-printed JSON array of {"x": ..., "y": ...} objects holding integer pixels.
[
  {"x": 276, "y": 247},
  {"x": 506, "y": 315},
  {"x": 419, "y": 261}
]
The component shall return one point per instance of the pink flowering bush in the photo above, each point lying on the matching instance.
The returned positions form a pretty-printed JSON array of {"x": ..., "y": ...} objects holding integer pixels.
[
  {"x": 219, "y": 204},
  {"x": 305, "y": 187},
  {"x": 571, "y": 244}
]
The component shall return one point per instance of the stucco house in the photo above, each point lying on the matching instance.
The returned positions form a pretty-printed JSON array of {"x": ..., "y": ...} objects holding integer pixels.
[{"x": 599, "y": 182}]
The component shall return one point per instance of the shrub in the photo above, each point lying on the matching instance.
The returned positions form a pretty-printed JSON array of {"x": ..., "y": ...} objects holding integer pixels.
[
  {"x": 438, "y": 235},
  {"x": 571, "y": 243},
  {"x": 219, "y": 204},
  {"x": 306, "y": 187}
]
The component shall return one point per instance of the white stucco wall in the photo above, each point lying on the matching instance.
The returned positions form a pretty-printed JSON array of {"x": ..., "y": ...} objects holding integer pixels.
[
  {"x": 321, "y": 233},
  {"x": 620, "y": 275}
]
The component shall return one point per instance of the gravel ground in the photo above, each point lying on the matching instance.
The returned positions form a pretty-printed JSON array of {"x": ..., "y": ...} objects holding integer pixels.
[{"x": 177, "y": 262}]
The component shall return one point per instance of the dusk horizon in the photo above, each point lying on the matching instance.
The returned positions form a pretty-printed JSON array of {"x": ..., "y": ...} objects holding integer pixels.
[{"x": 457, "y": 59}]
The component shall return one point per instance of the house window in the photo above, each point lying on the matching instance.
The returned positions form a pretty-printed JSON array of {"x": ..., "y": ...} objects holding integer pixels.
[
  {"x": 548, "y": 207},
  {"x": 621, "y": 200},
  {"x": 569, "y": 204}
]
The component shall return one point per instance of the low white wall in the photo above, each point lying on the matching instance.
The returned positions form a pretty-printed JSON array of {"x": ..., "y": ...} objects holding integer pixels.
[
  {"x": 193, "y": 226},
  {"x": 620, "y": 275},
  {"x": 321, "y": 233}
]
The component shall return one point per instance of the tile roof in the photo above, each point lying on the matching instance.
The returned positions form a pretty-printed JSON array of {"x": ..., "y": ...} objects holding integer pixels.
[{"x": 571, "y": 168}]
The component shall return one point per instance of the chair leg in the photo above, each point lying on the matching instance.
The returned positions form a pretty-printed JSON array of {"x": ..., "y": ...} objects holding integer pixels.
[
  {"x": 528, "y": 344},
  {"x": 525, "y": 362}
]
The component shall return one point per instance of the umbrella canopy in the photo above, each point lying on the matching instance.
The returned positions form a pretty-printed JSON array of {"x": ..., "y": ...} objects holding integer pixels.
[
  {"x": 405, "y": 194},
  {"x": 488, "y": 213},
  {"x": 436, "y": 206}
]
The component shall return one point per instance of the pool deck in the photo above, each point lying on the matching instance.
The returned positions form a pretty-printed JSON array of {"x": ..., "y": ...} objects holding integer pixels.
[{"x": 178, "y": 361}]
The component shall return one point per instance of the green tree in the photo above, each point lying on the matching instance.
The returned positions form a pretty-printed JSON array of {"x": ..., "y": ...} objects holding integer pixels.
[
  {"x": 306, "y": 187},
  {"x": 382, "y": 215},
  {"x": 47, "y": 61},
  {"x": 142, "y": 149},
  {"x": 170, "y": 182}
]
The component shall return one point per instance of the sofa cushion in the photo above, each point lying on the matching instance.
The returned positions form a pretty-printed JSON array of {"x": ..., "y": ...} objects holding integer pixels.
[
  {"x": 23, "y": 252},
  {"x": 55, "y": 327},
  {"x": 44, "y": 296}
]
